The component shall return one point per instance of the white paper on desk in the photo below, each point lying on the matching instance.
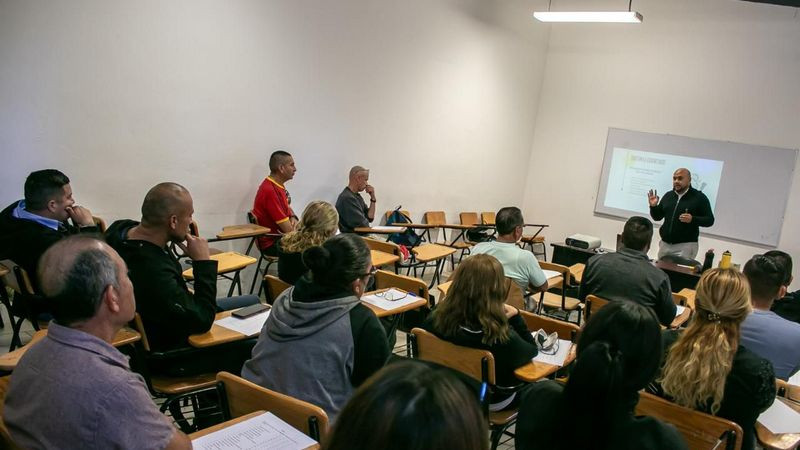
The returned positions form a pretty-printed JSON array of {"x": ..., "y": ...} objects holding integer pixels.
[
  {"x": 795, "y": 379},
  {"x": 262, "y": 431},
  {"x": 679, "y": 310},
  {"x": 387, "y": 228},
  {"x": 551, "y": 274},
  {"x": 780, "y": 418},
  {"x": 564, "y": 346},
  {"x": 388, "y": 305},
  {"x": 250, "y": 326}
]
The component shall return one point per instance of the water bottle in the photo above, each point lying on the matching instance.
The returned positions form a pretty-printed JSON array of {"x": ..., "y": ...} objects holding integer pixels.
[
  {"x": 725, "y": 262},
  {"x": 709, "y": 260}
]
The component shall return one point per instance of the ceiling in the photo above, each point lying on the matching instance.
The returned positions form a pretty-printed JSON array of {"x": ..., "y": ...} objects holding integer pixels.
[{"x": 795, "y": 3}]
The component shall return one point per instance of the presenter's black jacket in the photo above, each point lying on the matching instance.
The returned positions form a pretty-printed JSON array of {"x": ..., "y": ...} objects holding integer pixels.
[
  {"x": 25, "y": 241},
  {"x": 673, "y": 231},
  {"x": 169, "y": 311}
]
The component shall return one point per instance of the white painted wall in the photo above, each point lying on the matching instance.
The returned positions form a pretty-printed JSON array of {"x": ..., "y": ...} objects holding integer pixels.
[
  {"x": 436, "y": 97},
  {"x": 714, "y": 69}
]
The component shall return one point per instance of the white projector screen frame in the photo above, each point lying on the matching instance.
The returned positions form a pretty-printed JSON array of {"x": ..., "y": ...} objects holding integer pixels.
[{"x": 753, "y": 190}]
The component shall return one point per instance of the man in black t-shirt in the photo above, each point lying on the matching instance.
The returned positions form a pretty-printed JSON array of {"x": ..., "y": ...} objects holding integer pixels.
[{"x": 353, "y": 210}]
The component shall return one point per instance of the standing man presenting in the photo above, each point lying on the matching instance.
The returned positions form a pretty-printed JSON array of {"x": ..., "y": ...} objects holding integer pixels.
[
  {"x": 271, "y": 206},
  {"x": 353, "y": 210},
  {"x": 684, "y": 210}
]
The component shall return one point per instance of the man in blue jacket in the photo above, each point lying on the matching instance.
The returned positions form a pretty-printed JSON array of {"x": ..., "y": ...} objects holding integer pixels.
[{"x": 684, "y": 210}]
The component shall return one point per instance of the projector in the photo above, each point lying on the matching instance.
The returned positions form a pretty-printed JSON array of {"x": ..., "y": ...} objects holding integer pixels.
[{"x": 583, "y": 241}]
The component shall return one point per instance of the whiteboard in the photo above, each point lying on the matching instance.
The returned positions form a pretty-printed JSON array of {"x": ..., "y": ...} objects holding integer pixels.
[{"x": 748, "y": 185}]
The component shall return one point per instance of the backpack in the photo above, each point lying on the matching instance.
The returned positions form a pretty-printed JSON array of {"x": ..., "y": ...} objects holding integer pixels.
[
  {"x": 408, "y": 237},
  {"x": 480, "y": 234}
]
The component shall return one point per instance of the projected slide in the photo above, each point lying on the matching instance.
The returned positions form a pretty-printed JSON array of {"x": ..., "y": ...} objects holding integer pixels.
[{"x": 634, "y": 172}]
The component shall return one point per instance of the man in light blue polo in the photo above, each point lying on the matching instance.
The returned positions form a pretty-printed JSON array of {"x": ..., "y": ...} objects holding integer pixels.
[
  {"x": 518, "y": 264},
  {"x": 765, "y": 333}
]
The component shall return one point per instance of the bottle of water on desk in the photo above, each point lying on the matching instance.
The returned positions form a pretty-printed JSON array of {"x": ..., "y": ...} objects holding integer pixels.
[{"x": 725, "y": 262}]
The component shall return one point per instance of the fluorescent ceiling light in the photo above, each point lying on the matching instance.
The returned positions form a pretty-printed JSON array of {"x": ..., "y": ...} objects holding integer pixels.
[{"x": 589, "y": 16}]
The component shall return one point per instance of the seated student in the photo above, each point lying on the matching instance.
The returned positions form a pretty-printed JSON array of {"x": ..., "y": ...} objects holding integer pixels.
[
  {"x": 353, "y": 210},
  {"x": 473, "y": 314},
  {"x": 411, "y": 405},
  {"x": 627, "y": 274},
  {"x": 318, "y": 223},
  {"x": 73, "y": 390},
  {"x": 170, "y": 312},
  {"x": 787, "y": 307},
  {"x": 705, "y": 366},
  {"x": 518, "y": 264},
  {"x": 29, "y": 227},
  {"x": 271, "y": 205},
  {"x": 326, "y": 342},
  {"x": 765, "y": 333},
  {"x": 618, "y": 355}
]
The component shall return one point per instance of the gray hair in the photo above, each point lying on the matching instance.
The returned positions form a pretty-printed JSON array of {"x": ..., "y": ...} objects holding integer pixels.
[
  {"x": 74, "y": 274},
  {"x": 355, "y": 170}
]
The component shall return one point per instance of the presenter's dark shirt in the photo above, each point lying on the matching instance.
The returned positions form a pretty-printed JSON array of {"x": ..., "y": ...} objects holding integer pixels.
[{"x": 673, "y": 231}]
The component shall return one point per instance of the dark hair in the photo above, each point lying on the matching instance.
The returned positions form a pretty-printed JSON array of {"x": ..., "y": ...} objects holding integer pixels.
[
  {"x": 338, "y": 261},
  {"x": 410, "y": 405},
  {"x": 638, "y": 233},
  {"x": 784, "y": 261},
  {"x": 619, "y": 353},
  {"x": 276, "y": 159},
  {"x": 74, "y": 273},
  {"x": 42, "y": 186},
  {"x": 162, "y": 201},
  {"x": 765, "y": 276},
  {"x": 507, "y": 219}
]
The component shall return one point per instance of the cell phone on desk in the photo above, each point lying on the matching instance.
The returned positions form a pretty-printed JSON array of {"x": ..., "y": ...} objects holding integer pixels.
[{"x": 250, "y": 311}]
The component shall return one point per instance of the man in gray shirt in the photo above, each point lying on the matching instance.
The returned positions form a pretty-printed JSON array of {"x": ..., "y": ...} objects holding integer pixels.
[
  {"x": 73, "y": 390},
  {"x": 629, "y": 275},
  {"x": 353, "y": 210}
]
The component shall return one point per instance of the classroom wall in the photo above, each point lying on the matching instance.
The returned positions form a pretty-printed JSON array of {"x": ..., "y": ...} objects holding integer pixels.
[
  {"x": 436, "y": 98},
  {"x": 716, "y": 69}
]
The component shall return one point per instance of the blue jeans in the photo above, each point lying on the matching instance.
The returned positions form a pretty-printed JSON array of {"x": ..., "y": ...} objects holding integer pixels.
[{"x": 229, "y": 303}]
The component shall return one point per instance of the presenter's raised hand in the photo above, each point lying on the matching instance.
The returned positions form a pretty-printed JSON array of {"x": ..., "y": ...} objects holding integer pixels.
[{"x": 652, "y": 197}]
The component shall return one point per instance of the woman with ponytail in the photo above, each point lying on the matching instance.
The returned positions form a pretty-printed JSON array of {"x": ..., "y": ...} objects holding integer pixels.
[
  {"x": 319, "y": 342},
  {"x": 617, "y": 356},
  {"x": 319, "y": 222},
  {"x": 706, "y": 368}
]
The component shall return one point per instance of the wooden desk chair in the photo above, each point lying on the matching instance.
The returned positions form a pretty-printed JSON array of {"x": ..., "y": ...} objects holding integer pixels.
[
  {"x": 100, "y": 224},
  {"x": 679, "y": 299},
  {"x": 560, "y": 302},
  {"x": 23, "y": 305},
  {"x": 488, "y": 218},
  {"x": 702, "y": 431},
  {"x": 476, "y": 363},
  {"x": 171, "y": 388},
  {"x": 409, "y": 319},
  {"x": 514, "y": 295},
  {"x": 244, "y": 397},
  {"x": 459, "y": 241},
  {"x": 469, "y": 218},
  {"x": 274, "y": 287},
  {"x": 593, "y": 304}
]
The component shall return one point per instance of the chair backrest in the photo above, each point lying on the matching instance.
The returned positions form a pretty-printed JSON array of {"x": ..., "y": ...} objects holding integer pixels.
[
  {"x": 788, "y": 391},
  {"x": 565, "y": 330},
  {"x": 139, "y": 326},
  {"x": 469, "y": 218},
  {"x": 487, "y": 218},
  {"x": 381, "y": 246},
  {"x": 17, "y": 278},
  {"x": 679, "y": 299},
  {"x": 389, "y": 213},
  {"x": 435, "y": 218},
  {"x": 593, "y": 304},
  {"x": 478, "y": 364},
  {"x": 99, "y": 223},
  {"x": 275, "y": 286},
  {"x": 245, "y": 397},
  {"x": 702, "y": 431},
  {"x": 514, "y": 295},
  {"x": 560, "y": 268},
  {"x": 385, "y": 279}
]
